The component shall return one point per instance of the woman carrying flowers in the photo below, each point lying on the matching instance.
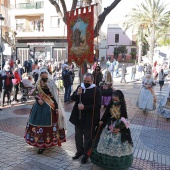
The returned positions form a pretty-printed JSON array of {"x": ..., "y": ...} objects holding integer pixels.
[{"x": 113, "y": 149}]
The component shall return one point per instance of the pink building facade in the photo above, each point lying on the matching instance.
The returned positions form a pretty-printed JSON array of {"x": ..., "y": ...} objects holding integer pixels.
[{"x": 116, "y": 37}]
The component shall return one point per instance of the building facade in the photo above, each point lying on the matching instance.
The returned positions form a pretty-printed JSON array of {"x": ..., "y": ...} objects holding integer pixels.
[
  {"x": 115, "y": 38},
  {"x": 40, "y": 30},
  {"x": 6, "y": 39},
  {"x": 41, "y": 33}
]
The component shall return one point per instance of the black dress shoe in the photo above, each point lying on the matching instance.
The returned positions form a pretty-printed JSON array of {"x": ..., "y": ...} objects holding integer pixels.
[
  {"x": 77, "y": 156},
  {"x": 84, "y": 159},
  {"x": 40, "y": 151},
  {"x": 0, "y": 109}
]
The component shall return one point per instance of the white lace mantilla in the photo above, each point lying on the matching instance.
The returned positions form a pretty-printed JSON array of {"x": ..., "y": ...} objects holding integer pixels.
[{"x": 110, "y": 144}]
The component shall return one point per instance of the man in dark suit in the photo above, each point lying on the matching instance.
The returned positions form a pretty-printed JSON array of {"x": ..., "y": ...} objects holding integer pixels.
[
  {"x": 90, "y": 115},
  {"x": 7, "y": 85}
]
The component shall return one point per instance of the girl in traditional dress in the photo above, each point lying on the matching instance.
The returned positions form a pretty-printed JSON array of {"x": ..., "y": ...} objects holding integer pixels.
[
  {"x": 147, "y": 98},
  {"x": 46, "y": 124},
  {"x": 164, "y": 105},
  {"x": 113, "y": 149}
]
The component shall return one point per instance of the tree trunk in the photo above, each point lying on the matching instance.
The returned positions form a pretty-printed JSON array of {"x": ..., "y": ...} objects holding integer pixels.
[
  {"x": 102, "y": 17},
  {"x": 139, "y": 52},
  {"x": 152, "y": 44}
]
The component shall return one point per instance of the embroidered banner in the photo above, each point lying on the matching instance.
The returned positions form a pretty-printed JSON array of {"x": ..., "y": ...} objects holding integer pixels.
[{"x": 80, "y": 35}]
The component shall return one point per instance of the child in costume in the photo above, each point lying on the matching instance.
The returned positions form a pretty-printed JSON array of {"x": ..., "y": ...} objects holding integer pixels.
[{"x": 113, "y": 148}]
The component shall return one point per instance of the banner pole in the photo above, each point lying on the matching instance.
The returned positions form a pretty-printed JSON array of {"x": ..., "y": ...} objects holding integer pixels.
[{"x": 80, "y": 94}]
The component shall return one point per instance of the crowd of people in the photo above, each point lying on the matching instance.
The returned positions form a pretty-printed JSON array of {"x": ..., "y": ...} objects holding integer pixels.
[{"x": 106, "y": 140}]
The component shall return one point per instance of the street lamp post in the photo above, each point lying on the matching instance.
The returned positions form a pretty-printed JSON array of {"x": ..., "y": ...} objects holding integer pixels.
[{"x": 1, "y": 50}]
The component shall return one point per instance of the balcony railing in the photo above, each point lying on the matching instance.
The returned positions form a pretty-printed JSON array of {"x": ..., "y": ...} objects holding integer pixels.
[{"x": 31, "y": 5}]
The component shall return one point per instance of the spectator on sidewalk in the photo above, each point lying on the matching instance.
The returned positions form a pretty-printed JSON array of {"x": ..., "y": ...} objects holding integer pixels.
[
  {"x": 112, "y": 67},
  {"x": 35, "y": 73},
  {"x": 140, "y": 70},
  {"x": 97, "y": 75},
  {"x": 67, "y": 82},
  {"x": 11, "y": 63},
  {"x": 20, "y": 70},
  {"x": 17, "y": 62},
  {"x": 133, "y": 72},
  {"x": 27, "y": 66},
  {"x": 166, "y": 71},
  {"x": 7, "y": 85},
  {"x": 117, "y": 68},
  {"x": 108, "y": 63},
  {"x": 161, "y": 77},
  {"x": 16, "y": 81},
  {"x": 89, "y": 110},
  {"x": 124, "y": 70}
]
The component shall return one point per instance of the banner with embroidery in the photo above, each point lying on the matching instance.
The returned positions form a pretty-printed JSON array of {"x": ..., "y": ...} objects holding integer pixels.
[{"x": 80, "y": 35}]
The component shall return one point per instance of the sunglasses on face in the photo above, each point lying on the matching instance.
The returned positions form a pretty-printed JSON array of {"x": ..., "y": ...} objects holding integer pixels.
[{"x": 43, "y": 72}]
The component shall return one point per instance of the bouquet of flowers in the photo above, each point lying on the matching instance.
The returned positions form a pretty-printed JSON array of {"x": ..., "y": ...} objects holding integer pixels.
[{"x": 120, "y": 124}]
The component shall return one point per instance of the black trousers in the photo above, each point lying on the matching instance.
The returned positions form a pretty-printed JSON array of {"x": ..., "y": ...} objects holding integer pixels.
[
  {"x": 83, "y": 140},
  {"x": 16, "y": 89},
  {"x": 6, "y": 91}
]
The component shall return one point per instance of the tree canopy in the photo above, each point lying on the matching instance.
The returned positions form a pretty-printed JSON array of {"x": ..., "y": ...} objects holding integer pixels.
[{"x": 148, "y": 19}]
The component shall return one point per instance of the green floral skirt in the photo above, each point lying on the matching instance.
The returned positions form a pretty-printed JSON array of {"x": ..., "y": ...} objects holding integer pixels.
[
  {"x": 111, "y": 153},
  {"x": 111, "y": 162}
]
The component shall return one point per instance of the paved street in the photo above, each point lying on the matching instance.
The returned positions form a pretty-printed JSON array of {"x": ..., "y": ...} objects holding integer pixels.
[{"x": 150, "y": 133}]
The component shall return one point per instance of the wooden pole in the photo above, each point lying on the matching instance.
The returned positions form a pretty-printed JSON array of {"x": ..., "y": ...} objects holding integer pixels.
[{"x": 80, "y": 94}]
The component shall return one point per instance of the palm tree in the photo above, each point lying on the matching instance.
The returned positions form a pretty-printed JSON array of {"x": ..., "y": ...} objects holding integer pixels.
[{"x": 147, "y": 19}]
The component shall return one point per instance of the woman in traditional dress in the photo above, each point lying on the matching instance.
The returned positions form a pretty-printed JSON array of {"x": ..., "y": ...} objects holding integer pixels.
[
  {"x": 46, "y": 124},
  {"x": 164, "y": 105},
  {"x": 113, "y": 149},
  {"x": 147, "y": 98}
]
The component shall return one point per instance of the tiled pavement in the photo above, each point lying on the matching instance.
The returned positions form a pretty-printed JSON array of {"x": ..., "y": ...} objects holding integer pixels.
[{"x": 150, "y": 133}]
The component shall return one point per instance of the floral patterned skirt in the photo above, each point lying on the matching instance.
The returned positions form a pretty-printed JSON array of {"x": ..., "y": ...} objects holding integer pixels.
[
  {"x": 42, "y": 128},
  {"x": 145, "y": 100},
  {"x": 111, "y": 153}
]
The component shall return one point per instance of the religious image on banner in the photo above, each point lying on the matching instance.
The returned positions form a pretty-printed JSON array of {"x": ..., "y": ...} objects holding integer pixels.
[{"x": 80, "y": 35}]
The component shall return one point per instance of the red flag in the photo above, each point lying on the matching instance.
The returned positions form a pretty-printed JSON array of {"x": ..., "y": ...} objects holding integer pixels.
[{"x": 80, "y": 35}]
